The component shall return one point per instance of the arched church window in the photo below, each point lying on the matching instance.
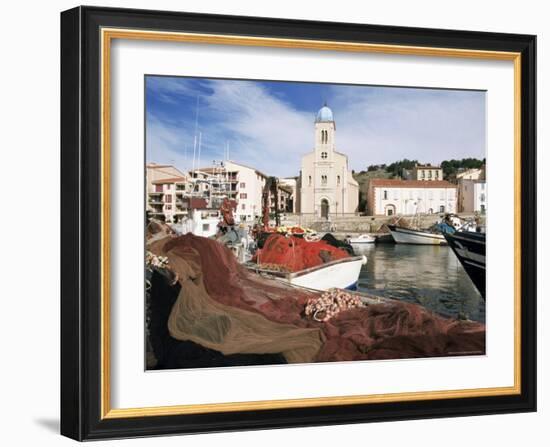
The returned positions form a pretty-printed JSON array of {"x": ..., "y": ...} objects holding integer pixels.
[
  {"x": 309, "y": 181},
  {"x": 324, "y": 155},
  {"x": 338, "y": 180}
]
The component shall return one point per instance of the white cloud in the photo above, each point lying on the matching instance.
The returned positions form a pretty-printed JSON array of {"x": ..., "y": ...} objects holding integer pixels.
[
  {"x": 391, "y": 124},
  {"x": 374, "y": 125}
]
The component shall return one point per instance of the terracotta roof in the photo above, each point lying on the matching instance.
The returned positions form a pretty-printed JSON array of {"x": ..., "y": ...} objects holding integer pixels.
[
  {"x": 398, "y": 183},
  {"x": 169, "y": 180}
]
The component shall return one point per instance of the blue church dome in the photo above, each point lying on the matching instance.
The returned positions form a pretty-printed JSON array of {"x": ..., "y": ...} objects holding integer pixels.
[{"x": 324, "y": 114}]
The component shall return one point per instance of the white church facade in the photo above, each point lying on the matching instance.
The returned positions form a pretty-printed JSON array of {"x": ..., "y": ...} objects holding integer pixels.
[{"x": 327, "y": 187}]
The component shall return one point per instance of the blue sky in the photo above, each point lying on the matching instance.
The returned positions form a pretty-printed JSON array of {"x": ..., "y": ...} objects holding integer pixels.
[{"x": 270, "y": 124}]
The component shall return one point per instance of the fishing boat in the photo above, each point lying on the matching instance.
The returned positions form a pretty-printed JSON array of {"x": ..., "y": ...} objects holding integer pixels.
[
  {"x": 403, "y": 235},
  {"x": 361, "y": 239},
  {"x": 341, "y": 273},
  {"x": 469, "y": 248}
]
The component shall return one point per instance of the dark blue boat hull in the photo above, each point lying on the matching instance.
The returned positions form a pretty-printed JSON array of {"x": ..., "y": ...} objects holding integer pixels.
[{"x": 469, "y": 248}]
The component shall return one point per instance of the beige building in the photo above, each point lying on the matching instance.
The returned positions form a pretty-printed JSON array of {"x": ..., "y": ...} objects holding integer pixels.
[
  {"x": 423, "y": 173},
  {"x": 165, "y": 200},
  {"x": 327, "y": 187},
  {"x": 155, "y": 171},
  {"x": 164, "y": 185},
  {"x": 250, "y": 184},
  {"x": 388, "y": 197},
  {"x": 472, "y": 196}
]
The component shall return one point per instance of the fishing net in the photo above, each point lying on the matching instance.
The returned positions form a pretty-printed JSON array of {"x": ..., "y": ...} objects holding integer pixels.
[
  {"x": 223, "y": 306},
  {"x": 229, "y": 329},
  {"x": 296, "y": 253},
  {"x": 398, "y": 330}
]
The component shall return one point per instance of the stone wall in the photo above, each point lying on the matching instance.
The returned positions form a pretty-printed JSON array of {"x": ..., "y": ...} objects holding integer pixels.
[{"x": 361, "y": 224}]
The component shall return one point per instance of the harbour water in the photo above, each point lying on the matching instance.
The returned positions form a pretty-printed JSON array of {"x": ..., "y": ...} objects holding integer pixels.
[{"x": 424, "y": 274}]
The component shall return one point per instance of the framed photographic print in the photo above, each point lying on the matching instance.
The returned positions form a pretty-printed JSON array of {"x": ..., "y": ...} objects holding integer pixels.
[{"x": 275, "y": 223}]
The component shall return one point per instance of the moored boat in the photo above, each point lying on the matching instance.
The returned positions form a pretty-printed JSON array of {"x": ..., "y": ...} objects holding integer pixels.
[
  {"x": 469, "y": 248},
  {"x": 403, "y": 235},
  {"x": 340, "y": 273},
  {"x": 361, "y": 239}
]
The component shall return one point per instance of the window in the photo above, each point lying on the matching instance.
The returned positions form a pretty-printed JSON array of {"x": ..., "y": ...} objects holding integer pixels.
[
  {"x": 482, "y": 198},
  {"x": 242, "y": 195},
  {"x": 436, "y": 174},
  {"x": 168, "y": 207},
  {"x": 168, "y": 198},
  {"x": 338, "y": 180},
  {"x": 324, "y": 155},
  {"x": 168, "y": 186},
  {"x": 429, "y": 174},
  {"x": 243, "y": 185},
  {"x": 324, "y": 180},
  {"x": 158, "y": 188},
  {"x": 205, "y": 227},
  {"x": 309, "y": 181},
  {"x": 243, "y": 206},
  {"x": 385, "y": 195},
  {"x": 442, "y": 209},
  {"x": 423, "y": 174}
]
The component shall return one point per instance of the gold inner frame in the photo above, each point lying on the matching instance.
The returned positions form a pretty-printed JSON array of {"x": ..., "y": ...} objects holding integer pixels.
[{"x": 107, "y": 35}]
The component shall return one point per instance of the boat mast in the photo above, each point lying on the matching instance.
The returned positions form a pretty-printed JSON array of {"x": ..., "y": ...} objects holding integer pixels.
[{"x": 196, "y": 128}]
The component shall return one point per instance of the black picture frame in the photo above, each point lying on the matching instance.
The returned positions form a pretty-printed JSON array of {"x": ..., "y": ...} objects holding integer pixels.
[{"x": 81, "y": 214}]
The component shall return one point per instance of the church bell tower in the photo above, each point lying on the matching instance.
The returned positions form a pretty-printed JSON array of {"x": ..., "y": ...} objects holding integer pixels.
[{"x": 325, "y": 129}]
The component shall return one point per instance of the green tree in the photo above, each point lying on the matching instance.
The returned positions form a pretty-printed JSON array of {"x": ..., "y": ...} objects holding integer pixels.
[{"x": 396, "y": 168}]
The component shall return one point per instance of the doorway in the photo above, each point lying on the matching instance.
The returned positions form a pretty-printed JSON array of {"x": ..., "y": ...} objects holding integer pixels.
[{"x": 324, "y": 208}]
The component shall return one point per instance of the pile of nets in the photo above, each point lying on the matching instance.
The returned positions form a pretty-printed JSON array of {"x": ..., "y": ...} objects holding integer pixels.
[
  {"x": 224, "y": 307},
  {"x": 218, "y": 303},
  {"x": 297, "y": 253}
]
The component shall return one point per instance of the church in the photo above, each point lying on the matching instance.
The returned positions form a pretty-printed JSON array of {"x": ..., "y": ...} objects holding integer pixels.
[{"x": 327, "y": 187}]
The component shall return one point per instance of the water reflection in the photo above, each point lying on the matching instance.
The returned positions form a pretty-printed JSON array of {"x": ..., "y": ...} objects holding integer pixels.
[{"x": 424, "y": 274}]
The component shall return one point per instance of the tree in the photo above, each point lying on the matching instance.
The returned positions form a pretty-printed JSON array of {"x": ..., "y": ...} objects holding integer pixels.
[
  {"x": 451, "y": 167},
  {"x": 397, "y": 167}
]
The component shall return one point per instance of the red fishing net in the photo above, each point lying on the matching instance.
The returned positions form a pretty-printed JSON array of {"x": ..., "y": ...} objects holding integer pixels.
[
  {"x": 296, "y": 253},
  {"x": 386, "y": 330}
]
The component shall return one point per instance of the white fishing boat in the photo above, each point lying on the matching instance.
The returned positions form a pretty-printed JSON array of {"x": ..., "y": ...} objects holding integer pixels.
[
  {"x": 403, "y": 235},
  {"x": 361, "y": 239},
  {"x": 342, "y": 273}
]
